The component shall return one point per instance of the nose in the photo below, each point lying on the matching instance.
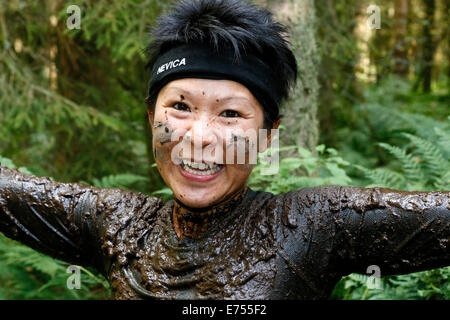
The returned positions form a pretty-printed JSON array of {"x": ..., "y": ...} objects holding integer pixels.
[{"x": 202, "y": 133}]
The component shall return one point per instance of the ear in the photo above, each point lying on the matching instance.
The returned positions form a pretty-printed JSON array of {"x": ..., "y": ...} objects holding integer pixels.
[
  {"x": 275, "y": 126},
  {"x": 150, "y": 116}
]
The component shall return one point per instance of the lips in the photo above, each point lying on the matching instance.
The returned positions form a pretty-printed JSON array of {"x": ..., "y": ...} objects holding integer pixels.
[
  {"x": 200, "y": 171},
  {"x": 200, "y": 168}
]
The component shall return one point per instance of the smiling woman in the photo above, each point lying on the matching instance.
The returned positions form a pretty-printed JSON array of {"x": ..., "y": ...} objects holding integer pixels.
[
  {"x": 218, "y": 239},
  {"x": 208, "y": 112}
]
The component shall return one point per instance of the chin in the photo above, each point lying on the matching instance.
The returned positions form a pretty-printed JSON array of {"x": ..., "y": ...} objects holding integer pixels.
[{"x": 196, "y": 198}]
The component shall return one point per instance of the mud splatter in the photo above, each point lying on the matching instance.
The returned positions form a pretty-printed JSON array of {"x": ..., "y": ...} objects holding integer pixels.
[
  {"x": 162, "y": 132},
  {"x": 241, "y": 144}
]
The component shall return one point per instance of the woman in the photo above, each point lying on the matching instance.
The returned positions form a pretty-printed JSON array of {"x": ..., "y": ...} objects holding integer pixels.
[{"x": 220, "y": 69}]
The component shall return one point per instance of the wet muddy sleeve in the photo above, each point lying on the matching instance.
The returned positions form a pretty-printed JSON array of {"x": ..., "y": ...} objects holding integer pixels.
[
  {"x": 65, "y": 220},
  {"x": 401, "y": 232}
]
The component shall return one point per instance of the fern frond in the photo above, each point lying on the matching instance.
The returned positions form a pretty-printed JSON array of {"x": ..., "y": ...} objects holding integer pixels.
[
  {"x": 432, "y": 158},
  {"x": 411, "y": 167},
  {"x": 443, "y": 140},
  {"x": 123, "y": 181},
  {"x": 360, "y": 279},
  {"x": 384, "y": 177}
]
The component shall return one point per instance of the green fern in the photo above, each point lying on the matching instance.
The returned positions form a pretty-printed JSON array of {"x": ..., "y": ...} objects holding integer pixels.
[
  {"x": 443, "y": 140},
  {"x": 28, "y": 274},
  {"x": 383, "y": 177},
  {"x": 123, "y": 181},
  {"x": 432, "y": 160},
  {"x": 410, "y": 165},
  {"x": 309, "y": 169},
  {"x": 425, "y": 167}
]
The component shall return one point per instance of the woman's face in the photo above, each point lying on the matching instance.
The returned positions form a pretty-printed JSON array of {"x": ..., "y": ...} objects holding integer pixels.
[{"x": 197, "y": 124}]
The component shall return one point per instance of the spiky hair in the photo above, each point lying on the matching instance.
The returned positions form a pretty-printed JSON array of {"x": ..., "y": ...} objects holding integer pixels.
[{"x": 235, "y": 24}]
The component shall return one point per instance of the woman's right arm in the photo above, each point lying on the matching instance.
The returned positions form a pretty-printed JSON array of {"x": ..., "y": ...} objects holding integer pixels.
[{"x": 72, "y": 222}]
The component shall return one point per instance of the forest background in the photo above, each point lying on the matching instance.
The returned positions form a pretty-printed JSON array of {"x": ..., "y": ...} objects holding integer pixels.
[{"x": 371, "y": 109}]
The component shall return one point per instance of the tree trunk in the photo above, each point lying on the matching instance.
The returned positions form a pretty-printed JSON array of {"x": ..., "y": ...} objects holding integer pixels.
[
  {"x": 380, "y": 45},
  {"x": 428, "y": 45},
  {"x": 300, "y": 111},
  {"x": 447, "y": 50},
  {"x": 401, "y": 64},
  {"x": 338, "y": 48}
]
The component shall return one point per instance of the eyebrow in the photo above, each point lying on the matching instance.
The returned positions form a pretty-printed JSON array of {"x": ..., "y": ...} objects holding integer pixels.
[
  {"x": 188, "y": 93},
  {"x": 180, "y": 89}
]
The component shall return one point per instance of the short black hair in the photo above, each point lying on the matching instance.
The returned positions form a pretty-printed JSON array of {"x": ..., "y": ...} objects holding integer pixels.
[{"x": 221, "y": 24}]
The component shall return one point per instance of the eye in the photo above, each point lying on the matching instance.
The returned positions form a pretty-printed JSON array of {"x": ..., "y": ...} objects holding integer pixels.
[
  {"x": 230, "y": 114},
  {"x": 180, "y": 106}
]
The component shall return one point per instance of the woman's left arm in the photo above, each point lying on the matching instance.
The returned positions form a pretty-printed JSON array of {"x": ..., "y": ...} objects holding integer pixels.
[
  {"x": 398, "y": 231},
  {"x": 328, "y": 232}
]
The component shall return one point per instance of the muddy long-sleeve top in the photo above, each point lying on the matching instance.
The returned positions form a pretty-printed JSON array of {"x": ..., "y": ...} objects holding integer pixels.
[{"x": 295, "y": 245}]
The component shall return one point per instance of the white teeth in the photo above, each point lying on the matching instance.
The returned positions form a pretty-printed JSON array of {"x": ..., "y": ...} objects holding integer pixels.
[
  {"x": 192, "y": 166},
  {"x": 202, "y": 166}
]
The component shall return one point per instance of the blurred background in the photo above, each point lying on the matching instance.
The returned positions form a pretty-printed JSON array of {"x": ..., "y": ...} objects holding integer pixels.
[{"x": 371, "y": 108}]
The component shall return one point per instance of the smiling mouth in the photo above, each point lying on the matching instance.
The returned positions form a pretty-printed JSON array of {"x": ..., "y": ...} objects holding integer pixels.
[{"x": 200, "y": 168}]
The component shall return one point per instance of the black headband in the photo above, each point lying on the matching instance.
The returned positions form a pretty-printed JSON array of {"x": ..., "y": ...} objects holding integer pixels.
[{"x": 200, "y": 61}]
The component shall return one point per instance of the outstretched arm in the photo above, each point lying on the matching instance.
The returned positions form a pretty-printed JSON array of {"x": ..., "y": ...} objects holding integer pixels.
[
  {"x": 399, "y": 231},
  {"x": 71, "y": 222},
  {"x": 332, "y": 231}
]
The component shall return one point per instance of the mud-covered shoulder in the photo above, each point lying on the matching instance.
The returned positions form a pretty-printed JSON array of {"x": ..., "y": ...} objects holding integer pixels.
[
  {"x": 305, "y": 241},
  {"x": 116, "y": 219},
  {"x": 129, "y": 216}
]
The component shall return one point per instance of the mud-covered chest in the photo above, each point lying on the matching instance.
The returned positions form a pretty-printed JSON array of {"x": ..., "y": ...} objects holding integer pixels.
[{"x": 215, "y": 268}]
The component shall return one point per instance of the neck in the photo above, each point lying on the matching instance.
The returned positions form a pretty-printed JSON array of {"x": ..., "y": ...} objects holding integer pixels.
[{"x": 194, "y": 222}]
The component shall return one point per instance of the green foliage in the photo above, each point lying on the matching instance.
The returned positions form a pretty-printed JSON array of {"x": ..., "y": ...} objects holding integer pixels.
[
  {"x": 63, "y": 91},
  {"x": 8, "y": 163},
  {"x": 164, "y": 193},
  {"x": 387, "y": 114},
  {"x": 426, "y": 167},
  {"x": 428, "y": 285},
  {"x": 423, "y": 169},
  {"x": 123, "y": 181},
  {"x": 27, "y": 274},
  {"x": 308, "y": 169}
]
